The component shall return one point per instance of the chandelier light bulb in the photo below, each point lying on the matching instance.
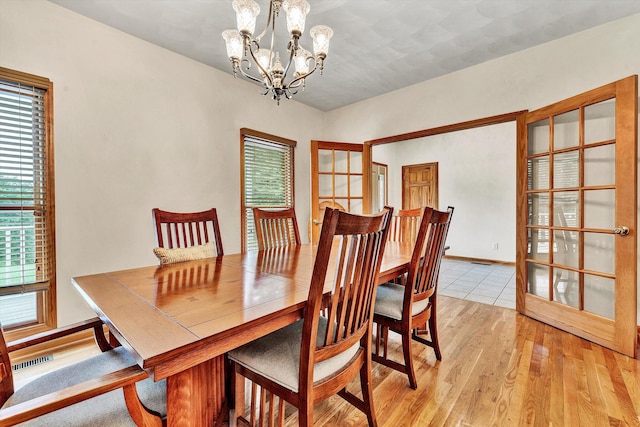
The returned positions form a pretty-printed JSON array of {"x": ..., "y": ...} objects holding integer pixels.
[
  {"x": 264, "y": 59},
  {"x": 233, "y": 40},
  {"x": 301, "y": 61},
  {"x": 246, "y": 13},
  {"x": 321, "y": 35},
  {"x": 296, "y": 11}
]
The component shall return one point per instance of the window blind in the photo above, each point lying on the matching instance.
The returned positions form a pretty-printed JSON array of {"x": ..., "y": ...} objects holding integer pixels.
[
  {"x": 268, "y": 181},
  {"x": 24, "y": 237}
]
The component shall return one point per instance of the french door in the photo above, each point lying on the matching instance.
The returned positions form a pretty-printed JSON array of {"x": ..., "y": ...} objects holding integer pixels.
[
  {"x": 577, "y": 214},
  {"x": 339, "y": 175}
]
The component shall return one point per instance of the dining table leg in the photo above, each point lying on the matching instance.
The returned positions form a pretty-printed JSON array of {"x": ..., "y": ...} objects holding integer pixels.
[{"x": 196, "y": 396}]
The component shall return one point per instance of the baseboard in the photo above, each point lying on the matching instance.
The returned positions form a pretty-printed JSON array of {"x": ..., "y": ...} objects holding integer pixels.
[{"x": 480, "y": 260}]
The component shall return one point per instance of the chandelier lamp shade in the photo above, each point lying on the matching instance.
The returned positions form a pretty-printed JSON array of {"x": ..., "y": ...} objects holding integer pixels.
[{"x": 262, "y": 63}]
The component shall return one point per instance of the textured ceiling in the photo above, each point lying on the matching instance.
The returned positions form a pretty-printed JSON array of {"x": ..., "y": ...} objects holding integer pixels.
[{"x": 378, "y": 45}]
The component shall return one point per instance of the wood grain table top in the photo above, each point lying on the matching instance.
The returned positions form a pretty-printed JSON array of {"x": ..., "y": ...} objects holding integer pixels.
[{"x": 176, "y": 316}]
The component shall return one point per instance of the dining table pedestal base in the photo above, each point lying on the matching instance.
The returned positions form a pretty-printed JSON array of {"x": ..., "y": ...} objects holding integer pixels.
[{"x": 197, "y": 397}]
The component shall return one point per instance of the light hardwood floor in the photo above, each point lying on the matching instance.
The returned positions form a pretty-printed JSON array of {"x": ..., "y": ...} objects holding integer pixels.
[{"x": 498, "y": 368}]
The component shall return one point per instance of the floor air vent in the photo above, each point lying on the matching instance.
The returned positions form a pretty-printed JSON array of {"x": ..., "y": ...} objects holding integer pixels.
[{"x": 32, "y": 362}]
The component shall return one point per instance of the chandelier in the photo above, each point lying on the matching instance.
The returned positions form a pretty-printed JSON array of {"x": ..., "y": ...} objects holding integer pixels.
[{"x": 244, "y": 49}]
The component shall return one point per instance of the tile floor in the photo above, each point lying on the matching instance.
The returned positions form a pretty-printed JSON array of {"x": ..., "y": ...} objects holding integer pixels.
[{"x": 493, "y": 284}]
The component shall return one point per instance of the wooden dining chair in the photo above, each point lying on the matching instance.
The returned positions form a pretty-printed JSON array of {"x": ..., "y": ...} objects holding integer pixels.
[
  {"x": 184, "y": 236},
  {"x": 276, "y": 228},
  {"x": 109, "y": 389},
  {"x": 405, "y": 225},
  {"x": 312, "y": 359},
  {"x": 407, "y": 309}
]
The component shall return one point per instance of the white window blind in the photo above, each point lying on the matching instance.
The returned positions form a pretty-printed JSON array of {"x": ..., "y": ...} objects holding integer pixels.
[
  {"x": 267, "y": 179},
  {"x": 25, "y": 240}
]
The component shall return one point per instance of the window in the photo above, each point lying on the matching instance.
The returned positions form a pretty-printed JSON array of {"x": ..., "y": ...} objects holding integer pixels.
[
  {"x": 267, "y": 178},
  {"x": 27, "y": 251}
]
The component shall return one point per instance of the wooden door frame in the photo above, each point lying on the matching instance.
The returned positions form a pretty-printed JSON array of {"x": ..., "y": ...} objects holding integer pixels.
[{"x": 471, "y": 124}]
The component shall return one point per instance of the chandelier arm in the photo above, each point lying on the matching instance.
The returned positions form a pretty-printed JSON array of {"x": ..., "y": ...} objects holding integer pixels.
[
  {"x": 249, "y": 76},
  {"x": 255, "y": 60},
  {"x": 289, "y": 94},
  {"x": 293, "y": 43},
  {"x": 270, "y": 21},
  {"x": 273, "y": 39}
]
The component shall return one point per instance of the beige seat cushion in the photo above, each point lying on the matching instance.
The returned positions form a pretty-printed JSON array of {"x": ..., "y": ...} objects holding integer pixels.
[
  {"x": 277, "y": 356},
  {"x": 169, "y": 256},
  {"x": 105, "y": 410},
  {"x": 389, "y": 298}
]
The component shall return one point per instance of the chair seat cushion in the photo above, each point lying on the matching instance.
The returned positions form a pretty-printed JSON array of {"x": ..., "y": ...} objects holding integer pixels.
[
  {"x": 108, "y": 409},
  {"x": 389, "y": 298},
  {"x": 277, "y": 355},
  {"x": 169, "y": 256}
]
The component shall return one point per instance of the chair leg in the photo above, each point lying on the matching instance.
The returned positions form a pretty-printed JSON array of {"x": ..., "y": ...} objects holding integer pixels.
[
  {"x": 433, "y": 330},
  {"x": 305, "y": 414},
  {"x": 408, "y": 359},
  {"x": 366, "y": 383},
  {"x": 140, "y": 414}
]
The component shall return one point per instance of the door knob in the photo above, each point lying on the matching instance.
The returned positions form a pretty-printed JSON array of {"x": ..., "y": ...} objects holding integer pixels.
[
  {"x": 316, "y": 222},
  {"x": 621, "y": 230}
]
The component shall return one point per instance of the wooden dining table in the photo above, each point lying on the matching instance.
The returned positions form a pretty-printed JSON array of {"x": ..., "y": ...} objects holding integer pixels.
[{"x": 179, "y": 320}]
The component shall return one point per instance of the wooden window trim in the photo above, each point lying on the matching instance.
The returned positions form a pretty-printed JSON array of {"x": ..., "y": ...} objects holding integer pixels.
[
  {"x": 246, "y": 132},
  {"x": 47, "y": 309},
  {"x": 267, "y": 136}
]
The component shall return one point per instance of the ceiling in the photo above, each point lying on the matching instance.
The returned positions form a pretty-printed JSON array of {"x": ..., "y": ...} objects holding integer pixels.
[{"x": 378, "y": 45}]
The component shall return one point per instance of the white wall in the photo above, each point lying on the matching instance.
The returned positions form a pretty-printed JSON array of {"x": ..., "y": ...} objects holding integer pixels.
[
  {"x": 138, "y": 127},
  {"x": 482, "y": 190}
]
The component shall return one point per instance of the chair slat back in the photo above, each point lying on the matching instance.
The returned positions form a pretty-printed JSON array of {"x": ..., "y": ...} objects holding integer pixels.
[
  {"x": 427, "y": 253},
  {"x": 276, "y": 228},
  {"x": 6, "y": 375},
  {"x": 404, "y": 225},
  {"x": 182, "y": 230},
  {"x": 357, "y": 243}
]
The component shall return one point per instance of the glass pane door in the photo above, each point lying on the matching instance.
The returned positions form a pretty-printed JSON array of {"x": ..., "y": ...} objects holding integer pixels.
[
  {"x": 337, "y": 173},
  {"x": 577, "y": 257},
  {"x": 571, "y": 194}
]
